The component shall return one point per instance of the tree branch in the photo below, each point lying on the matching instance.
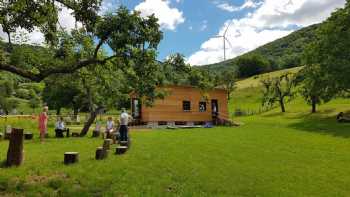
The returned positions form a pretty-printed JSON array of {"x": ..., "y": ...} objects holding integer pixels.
[
  {"x": 21, "y": 72},
  {"x": 37, "y": 77},
  {"x": 98, "y": 47}
]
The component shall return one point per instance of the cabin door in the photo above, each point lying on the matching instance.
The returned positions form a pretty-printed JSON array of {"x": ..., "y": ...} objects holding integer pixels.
[
  {"x": 136, "y": 108},
  {"x": 214, "y": 109}
]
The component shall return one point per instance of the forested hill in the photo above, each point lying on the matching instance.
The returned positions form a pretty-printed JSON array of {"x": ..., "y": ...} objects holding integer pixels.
[{"x": 282, "y": 53}]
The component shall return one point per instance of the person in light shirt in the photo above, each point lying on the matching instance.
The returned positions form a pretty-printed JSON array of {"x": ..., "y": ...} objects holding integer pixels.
[
  {"x": 124, "y": 121},
  {"x": 110, "y": 126},
  {"x": 60, "y": 128}
]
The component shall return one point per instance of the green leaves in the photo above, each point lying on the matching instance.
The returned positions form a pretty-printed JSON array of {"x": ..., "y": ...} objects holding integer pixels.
[
  {"x": 278, "y": 89},
  {"x": 330, "y": 53}
]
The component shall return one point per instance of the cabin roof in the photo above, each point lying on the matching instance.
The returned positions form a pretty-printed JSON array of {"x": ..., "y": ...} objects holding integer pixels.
[
  {"x": 189, "y": 86},
  {"x": 132, "y": 94}
]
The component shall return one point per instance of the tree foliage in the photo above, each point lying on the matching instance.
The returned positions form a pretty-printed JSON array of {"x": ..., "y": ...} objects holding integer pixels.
[
  {"x": 331, "y": 51},
  {"x": 252, "y": 65},
  {"x": 278, "y": 89},
  {"x": 314, "y": 86},
  {"x": 126, "y": 33},
  {"x": 228, "y": 81}
]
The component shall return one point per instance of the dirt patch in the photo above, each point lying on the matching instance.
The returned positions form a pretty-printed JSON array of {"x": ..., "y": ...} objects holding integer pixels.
[{"x": 40, "y": 179}]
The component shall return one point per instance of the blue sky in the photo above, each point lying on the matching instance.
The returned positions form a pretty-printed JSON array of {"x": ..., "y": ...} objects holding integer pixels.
[{"x": 190, "y": 26}]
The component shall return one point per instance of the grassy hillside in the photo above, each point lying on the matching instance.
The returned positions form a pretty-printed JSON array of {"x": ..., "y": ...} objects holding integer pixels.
[
  {"x": 248, "y": 96},
  {"x": 282, "y": 53}
]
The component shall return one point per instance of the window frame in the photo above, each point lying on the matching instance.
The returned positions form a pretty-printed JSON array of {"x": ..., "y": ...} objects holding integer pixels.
[{"x": 188, "y": 103}]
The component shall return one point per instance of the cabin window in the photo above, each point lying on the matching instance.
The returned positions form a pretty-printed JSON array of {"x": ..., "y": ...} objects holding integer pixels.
[
  {"x": 186, "y": 105},
  {"x": 202, "y": 106}
]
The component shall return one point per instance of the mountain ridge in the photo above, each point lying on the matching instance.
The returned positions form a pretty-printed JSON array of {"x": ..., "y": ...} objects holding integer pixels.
[{"x": 285, "y": 52}]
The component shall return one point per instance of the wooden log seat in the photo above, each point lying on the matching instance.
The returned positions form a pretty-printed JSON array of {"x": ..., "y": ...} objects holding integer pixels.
[
  {"x": 28, "y": 136},
  {"x": 121, "y": 150},
  {"x": 107, "y": 143},
  {"x": 59, "y": 132},
  {"x": 15, "y": 150},
  {"x": 124, "y": 143},
  {"x": 71, "y": 157},
  {"x": 101, "y": 153},
  {"x": 75, "y": 134}
]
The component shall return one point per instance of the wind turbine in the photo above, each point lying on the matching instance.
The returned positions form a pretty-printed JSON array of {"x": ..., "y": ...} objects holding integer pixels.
[{"x": 224, "y": 38}]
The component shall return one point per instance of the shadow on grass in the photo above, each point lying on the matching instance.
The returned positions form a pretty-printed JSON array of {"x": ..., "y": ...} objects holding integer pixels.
[
  {"x": 318, "y": 123},
  {"x": 3, "y": 164}
]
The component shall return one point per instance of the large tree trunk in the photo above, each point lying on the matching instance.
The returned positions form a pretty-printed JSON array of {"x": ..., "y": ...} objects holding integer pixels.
[
  {"x": 15, "y": 150},
  {"x": 313, "y": 104},
  {"x": 89, "y": 122},
  {"x": 283, "y": 109},
  {"x": 58, "y": 111}
]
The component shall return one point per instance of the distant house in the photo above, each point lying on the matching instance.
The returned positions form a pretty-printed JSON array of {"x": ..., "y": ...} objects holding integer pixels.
[{"x": 183, "y": 105}]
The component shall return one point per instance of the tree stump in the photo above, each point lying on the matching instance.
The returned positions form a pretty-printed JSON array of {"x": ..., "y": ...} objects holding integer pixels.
[
  {"x": 15, "y": 150},
  {"x": 75, "y": 134},
  {"x": 96, "y": 133},
  {"x": 121, "y": 150},
  {"x": 124, "y": 143},
  {"x": 71, "y": 157},
  {"x": 101, "y": 153},
  {"x": 28, "y": 136},
  {"x": 107, "y": 143}
]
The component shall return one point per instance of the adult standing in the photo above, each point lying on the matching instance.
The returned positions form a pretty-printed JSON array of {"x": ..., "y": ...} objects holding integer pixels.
[
  {"x": 43, "y": 118},
  {"x": 124, "y": 121}
]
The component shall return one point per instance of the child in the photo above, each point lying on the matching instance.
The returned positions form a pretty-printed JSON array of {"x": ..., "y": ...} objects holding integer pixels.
[{"x": 43, "y": 118}]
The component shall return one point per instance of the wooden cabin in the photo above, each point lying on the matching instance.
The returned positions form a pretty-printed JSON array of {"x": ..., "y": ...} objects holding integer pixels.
[{"x": 182, "y": 105}]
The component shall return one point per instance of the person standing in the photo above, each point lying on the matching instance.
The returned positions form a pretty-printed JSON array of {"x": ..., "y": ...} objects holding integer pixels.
[
  {"x": 43, "y": 118},
  {"x": 124, "y": 121}
]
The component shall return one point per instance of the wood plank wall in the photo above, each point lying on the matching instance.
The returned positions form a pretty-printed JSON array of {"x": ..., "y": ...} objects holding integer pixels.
[{"x": 170, "y": 108}]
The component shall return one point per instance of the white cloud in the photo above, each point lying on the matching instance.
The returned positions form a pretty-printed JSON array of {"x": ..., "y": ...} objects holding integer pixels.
[
  {"x": 267, "y": 23},
  {"x": 168, "y": 17},
  {"x": 231, "y": 8},
  {"x": 204, "y": 25}
]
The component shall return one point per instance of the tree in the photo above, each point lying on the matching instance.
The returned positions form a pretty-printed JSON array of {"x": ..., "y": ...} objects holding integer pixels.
[
  {"x": 315, "y": 86},
  {"x": 331, "y": 51},
  {"x": 175, "y": 70},
  {"x": 34, "y": 102},
  {"x": 228, "y": 81},
  {"x": 278, "y": 89},
  {"x": 250, "y": 65},
  {"x": 201, "y": 79},
  {"x": 62, "y": 91},
  {"x": 131, "y": 39},
  {"x": 125, "y": 33}
]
